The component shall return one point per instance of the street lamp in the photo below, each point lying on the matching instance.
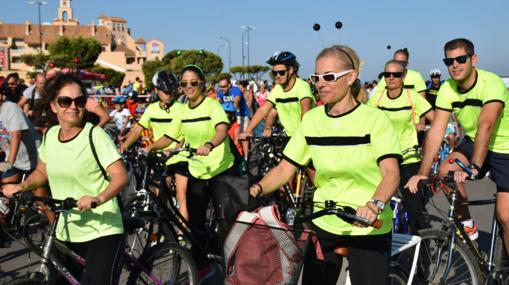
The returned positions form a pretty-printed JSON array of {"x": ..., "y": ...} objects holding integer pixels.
[
  {"x": 247, "y": 29},
  {"x": 229, "y": 44},
  {"x": 39, "y": 4}
]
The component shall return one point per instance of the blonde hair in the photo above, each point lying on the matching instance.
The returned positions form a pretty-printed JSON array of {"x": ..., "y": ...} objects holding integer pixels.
[{"x": 351, "y": 60}]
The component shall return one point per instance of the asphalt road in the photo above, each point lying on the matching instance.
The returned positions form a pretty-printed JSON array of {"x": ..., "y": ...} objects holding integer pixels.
[{"x": 15, "y": 260}]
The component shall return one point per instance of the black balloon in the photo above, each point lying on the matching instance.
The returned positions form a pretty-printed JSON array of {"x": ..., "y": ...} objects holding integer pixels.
[
  {"x": 316, "y": 27},
  {"x": 339, "y": 25},
  {"x": 388, "y": 47}
]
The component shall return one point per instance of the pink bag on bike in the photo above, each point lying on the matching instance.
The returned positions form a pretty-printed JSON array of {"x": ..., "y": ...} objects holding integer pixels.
[{"x": 261, "y": 249}]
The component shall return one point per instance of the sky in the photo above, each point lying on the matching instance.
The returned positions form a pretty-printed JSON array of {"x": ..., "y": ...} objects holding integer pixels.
[{"x": 368, "y": 27}]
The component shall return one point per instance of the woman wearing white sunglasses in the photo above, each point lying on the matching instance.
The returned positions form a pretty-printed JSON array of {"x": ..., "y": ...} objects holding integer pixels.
[{"x": 355, "y": 152}]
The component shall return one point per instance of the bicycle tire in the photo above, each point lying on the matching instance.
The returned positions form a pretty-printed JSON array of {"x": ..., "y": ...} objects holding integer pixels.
[
  {"x": 397, "y": 275},
  {"x": 464, "y": 267},
  {"x": 169, "y": 262}
]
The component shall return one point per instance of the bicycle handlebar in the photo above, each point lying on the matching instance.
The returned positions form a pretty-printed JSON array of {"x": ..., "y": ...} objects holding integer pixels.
[
  {"x": 55, "y": 204},
  {"x": 347, "y": 214}
]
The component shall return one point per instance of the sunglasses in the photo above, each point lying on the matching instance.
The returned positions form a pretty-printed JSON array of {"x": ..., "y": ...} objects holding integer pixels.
[
  {"x": 279, "y": 72},
  {"x": 66, "y": 102},
  {"x": 388, "y": 74},
  {"x": 459, "y": 59},
  {"x": 12, "y": 83},
  {"x": 328, "y": 77},
  {"x": 223, "y": 86},
  {"x": 193, "y": 83}
]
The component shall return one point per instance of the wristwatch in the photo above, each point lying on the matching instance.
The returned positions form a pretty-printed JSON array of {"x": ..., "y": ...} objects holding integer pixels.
[{"x": 379, "y": 204}]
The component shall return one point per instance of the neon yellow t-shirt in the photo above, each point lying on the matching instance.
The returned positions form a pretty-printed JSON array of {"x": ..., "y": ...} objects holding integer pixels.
[
  {"x": 73, "y": 172},
  {"x": 413, "y": 80},
  {"x": 158, "y": 120},
  {"x": 467, "y": 106},
  {"x": 345, "y": 151},
  {"x": 198, "y": 125},
  {"x": 404, "y": 112},
  {"x": 287, "y": 104}
]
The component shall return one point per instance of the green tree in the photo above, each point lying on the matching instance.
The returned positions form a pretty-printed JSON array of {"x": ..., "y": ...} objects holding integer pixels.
[
  {"x": 65, "y": 50},
  {"x": 150, "y": 67},
  {"x": 209, "y": 62},
  {"x": 238, "y": 71},
  {"x": 257, "y": 71},
  {"x": 38, "y": 60},
  {"x": 113, "y": 78}
]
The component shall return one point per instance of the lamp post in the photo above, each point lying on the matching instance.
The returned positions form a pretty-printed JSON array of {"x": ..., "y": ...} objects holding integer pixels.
[
  {"x": 247, "y": 29},
  {"x": 39, "y": 4},
  {"x": 229, "y": 44}
]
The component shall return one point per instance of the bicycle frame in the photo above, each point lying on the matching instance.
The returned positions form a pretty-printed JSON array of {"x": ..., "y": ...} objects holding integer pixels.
[{"x": 453, "y": 226}]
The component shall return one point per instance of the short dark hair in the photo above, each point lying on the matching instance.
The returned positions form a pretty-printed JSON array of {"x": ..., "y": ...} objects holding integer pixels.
[
  {"x": 225, "y": 77},
  {"x": 460, "y": 43},
  {"x": 244, "y": 83}
]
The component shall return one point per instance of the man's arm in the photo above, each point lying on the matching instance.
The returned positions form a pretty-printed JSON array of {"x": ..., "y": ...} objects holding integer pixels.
[
  {"x": 490, "y": 113},
  {"x": 132, "y": 136},
  {"x": 236, "y": 102},
  {"x": 305, "y": 105},
  {"x": 257, "y": 118}
]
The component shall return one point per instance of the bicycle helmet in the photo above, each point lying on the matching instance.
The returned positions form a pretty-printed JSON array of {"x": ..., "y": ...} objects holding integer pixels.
[
  {"x": 282, "y": 57},
  {"x": 435, "y": 72},
  {"x": 140, "y": 109},
  {"x": 119, "y": 100},
  {"x": 165, "y": 81}
]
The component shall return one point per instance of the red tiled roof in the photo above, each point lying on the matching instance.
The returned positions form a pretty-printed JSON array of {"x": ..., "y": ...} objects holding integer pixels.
[{"x": 51, "y": 33}]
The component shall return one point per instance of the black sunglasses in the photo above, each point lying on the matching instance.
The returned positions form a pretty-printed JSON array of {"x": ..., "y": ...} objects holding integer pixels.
[
  {"x": 459, "y": 59},
  {"x": 66, "y": 102},
  {"x": 280, "y": 72},
  {"x": 184, "y": 84},
  {"x": 388, "y": 74}
]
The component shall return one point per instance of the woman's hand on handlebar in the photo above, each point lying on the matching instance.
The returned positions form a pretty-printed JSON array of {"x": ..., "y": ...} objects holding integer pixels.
[
  {"x": 412, "y": 184},
  {"x": 367, "y": 213},
  {"x": 267, "y": 132},
  {"x": 10, "y": 189},
  {"x": 87, "y": 203}
]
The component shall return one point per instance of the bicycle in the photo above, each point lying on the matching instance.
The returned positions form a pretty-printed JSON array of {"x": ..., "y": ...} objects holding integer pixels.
[
  {"x": 448, "y": 256},
  {"x": 167, "y": 262}
]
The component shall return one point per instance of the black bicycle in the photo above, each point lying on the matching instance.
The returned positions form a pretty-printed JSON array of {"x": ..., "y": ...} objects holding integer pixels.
[{"x": 447, "y": 255}]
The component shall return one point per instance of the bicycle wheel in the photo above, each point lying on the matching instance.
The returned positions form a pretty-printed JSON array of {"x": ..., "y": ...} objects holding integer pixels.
[
  {"x": 169, "y": 262},
  {"x": 397, "y": 275},
  {"x": 433, "y": 257}
]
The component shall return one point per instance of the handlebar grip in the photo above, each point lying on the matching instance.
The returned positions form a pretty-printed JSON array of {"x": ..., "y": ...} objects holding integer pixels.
[
  {"x": 377, "y": 224},
  {"x": 467, "y": 170}
]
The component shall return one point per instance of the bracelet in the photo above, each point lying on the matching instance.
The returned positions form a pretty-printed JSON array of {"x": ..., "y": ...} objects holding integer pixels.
[
  {"x": 260, "y": 188},
  {"x": 210, "y": 144},
  {"x": 474, "y": 165}
]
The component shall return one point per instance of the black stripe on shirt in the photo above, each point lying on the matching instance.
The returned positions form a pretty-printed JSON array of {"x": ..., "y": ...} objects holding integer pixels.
[
  {"x": 468, "y": 102},
  {"x": 409, "y": 86},
  {"x": 495, "y": 100},
  {"x": 173, "y": 139},
  {"x": 287, "y": 100},
  {"x": 395, "y": 109},
  {"x": 338, "y": 141},
  {"x": 160, "y": 120},
  {"x": 196, "y": 120}
]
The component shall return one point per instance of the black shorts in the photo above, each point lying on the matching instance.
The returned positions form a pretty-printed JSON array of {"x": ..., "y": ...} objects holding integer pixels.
[
  {"x": 496, "y": 163},
  {"x": 180, "y": 168}
]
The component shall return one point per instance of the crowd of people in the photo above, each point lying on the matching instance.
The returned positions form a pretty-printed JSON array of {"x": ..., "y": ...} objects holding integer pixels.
[{"x": 329, "y": 119}]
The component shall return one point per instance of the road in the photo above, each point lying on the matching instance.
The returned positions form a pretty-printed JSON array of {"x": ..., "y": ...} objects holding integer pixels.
[{"x": 15, "y": 260}]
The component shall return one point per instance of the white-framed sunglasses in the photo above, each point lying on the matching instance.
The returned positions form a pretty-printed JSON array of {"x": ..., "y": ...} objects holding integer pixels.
[{"x": 328, "y": 77}]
